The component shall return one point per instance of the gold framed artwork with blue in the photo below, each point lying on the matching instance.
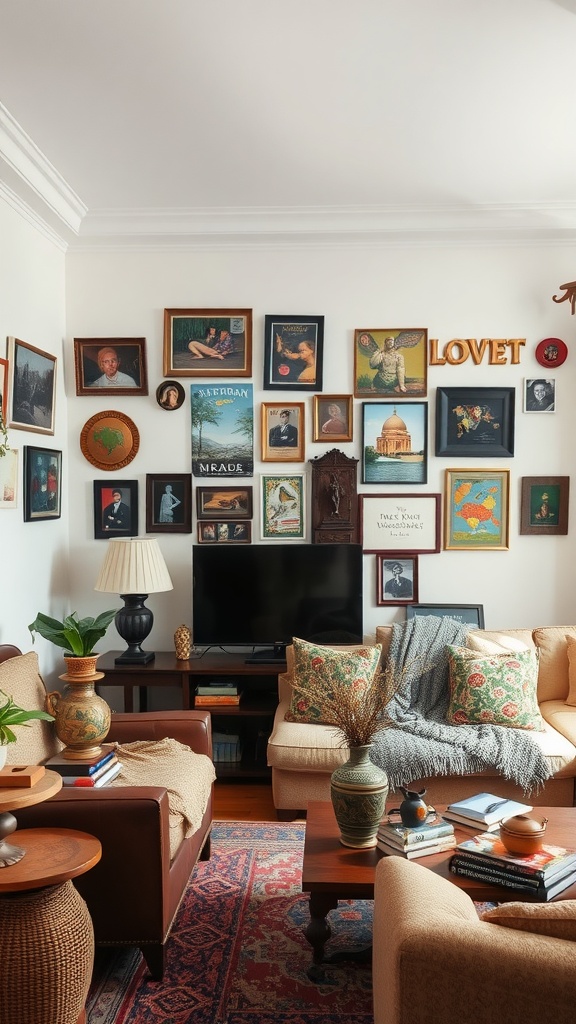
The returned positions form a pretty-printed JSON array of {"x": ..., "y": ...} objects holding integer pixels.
[{"x": 477, "y": 510}]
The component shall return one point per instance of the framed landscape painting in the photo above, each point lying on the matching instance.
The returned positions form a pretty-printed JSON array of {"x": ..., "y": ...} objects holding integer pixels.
[
  {"x": 293, "y": 348},
  {"x": 207, "y": 342},
  {"x": 390, "y": 362},
  {"x": 32, "y": 384},
  {"x": 477, "y": 510},
  {"x": 222, "y": 430},
  {"x": 394, "y": 443},
  {"x": 475, "y": 422}
]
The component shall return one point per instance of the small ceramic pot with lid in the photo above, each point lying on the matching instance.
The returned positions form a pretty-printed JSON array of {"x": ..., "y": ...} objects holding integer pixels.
[{"x": 523, "y": 835}]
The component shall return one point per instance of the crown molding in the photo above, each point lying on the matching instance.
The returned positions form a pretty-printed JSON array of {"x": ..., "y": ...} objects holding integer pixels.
[{"x": 27, "y": 213}]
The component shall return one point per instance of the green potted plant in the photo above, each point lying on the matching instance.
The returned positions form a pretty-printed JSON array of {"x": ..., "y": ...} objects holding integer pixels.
[
  {"x": 11, "y": 715},
  {"x": 77, "y": 637}
]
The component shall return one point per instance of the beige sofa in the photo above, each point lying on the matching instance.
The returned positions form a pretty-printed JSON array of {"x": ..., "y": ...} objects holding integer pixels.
[
  {"x": 303, "y": 757},
  {"x": 435, "y": 961}
]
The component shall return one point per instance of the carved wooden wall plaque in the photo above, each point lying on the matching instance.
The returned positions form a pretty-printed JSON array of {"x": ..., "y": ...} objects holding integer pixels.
[{"x": 334, "y": 499}]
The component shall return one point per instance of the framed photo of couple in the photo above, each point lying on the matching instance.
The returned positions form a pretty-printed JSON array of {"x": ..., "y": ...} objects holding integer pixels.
[{"x": 207, "y": 342}]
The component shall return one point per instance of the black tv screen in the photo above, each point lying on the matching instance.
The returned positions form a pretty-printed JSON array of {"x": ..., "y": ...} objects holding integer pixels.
[{"x": 263, "y": 595}]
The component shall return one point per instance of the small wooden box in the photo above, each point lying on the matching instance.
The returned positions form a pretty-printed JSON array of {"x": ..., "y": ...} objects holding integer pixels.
[{"x": 21, "y": 776}]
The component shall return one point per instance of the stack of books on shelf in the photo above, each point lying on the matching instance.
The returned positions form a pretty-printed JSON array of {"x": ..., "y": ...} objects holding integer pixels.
[
  {"x": 226, "y": 748},
  {"x": 484, "y": 811},
  {"x": 217, "y": 692},
  {"x": 433, "y": 837},
  {"x": 93, "y": 772},
  {"x": 540, "y": 875}
]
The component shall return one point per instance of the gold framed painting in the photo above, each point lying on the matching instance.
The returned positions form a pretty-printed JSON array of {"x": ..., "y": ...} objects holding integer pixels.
[
  {"x": 477, "y": 510},
  {"x": 390, "y": 362},
  {"x": 282, "y": 432},
  {"x": 207, "y": 342},
  {"x": 332, "y": 418}
]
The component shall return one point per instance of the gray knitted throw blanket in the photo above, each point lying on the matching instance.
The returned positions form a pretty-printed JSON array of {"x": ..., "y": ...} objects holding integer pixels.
[{"x": 420, "y": 743}]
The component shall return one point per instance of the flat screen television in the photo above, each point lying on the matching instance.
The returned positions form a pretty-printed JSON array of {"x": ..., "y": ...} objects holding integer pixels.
[{"x": 263, "y": 595}]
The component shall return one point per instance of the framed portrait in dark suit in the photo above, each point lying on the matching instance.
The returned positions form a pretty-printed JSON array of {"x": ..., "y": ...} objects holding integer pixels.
[
  {"x": 282, "y": 432},
  {"x": 115, "y": 508}
]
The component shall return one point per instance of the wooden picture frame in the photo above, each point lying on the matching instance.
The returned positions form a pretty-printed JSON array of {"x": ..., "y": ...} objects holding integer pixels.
[
  {"x": 222, "y": 435},
  {"x": 333, "y": 418},
  {"x": 42, "y": 483},
  {"x": 390, "y": 362},
  {"x": 192, "y": 335},
  {"x": 9, "y": 479},
  {"x": 282, "y": 507},
  {"x": 477, "y": 510},
  {"x": 32, "y": 388},
  {"x": 224, "y": 502},
  {"x": 112, "y": 519},
  {"x": 475, "y": 422},
  {"x": 544, "y": 505},
  {"x": 539, "y": 394},
  {"x": 293, "y": 352},
  {"x": 395, "y": 443},
  {"x": 170, "y": 395},
  {"x": 110, "y": 366},
  {"x": 282, "y": 431},
  {"x": 4, "y": 391},
  {"x": 168, "y": 503},
  {"x": 471, "y": 614},
  {"x": 218, "y": 532},
  {"x": 396, "y": 578},
  {"x": 403, "y": 523}
]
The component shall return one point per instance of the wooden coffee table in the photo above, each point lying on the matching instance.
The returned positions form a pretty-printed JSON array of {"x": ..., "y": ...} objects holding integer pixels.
[{"x": 332, "y": 872}]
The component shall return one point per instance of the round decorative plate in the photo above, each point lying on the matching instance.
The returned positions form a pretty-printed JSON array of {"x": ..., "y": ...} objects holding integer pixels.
[
  {"x": 109, "y": 440},
  {"x": 551, "y": 352}
]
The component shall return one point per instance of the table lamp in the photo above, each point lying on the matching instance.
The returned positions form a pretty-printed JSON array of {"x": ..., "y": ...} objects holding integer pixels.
[{"x": 134, "y": 568}]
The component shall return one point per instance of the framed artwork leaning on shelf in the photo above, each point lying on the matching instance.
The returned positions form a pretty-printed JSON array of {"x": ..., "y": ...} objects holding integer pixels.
[{"x": 471, "y": 614}]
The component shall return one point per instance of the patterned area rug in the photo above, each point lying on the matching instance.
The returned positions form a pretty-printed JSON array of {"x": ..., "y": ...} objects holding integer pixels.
[{"x": 237, "y": 952}]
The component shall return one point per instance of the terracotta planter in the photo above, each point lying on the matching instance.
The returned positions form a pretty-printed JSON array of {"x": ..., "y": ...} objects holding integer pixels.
[{"x": 359, "y": 789}]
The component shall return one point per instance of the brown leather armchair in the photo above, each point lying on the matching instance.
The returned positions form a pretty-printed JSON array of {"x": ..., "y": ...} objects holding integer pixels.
[{"x": 134, "y": 892}]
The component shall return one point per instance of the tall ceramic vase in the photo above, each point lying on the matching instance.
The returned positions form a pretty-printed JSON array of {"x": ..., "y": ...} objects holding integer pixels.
[
  {"x": 359, "y": 789},
  {"x": 82, "y": 717}
]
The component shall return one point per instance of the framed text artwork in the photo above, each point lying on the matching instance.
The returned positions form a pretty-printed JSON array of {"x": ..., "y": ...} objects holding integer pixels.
[
  {"x": 544, "y": 505},
  {"x": 282, "y": 432},
  {"x": 115, "y": 508},
  {"x": 282, "y": 507},
  {"x": 475, "y": 422},
  {"x": 394, "y": 443},
  {"x": 207, "y": 342},
  {"x": 390, "y": 362},
  {"x": 32, "y": 387},
  {"x": 42, "y": 483},
  {"x": 396, "y": 578},
  {"x": 168, "y": 503},
  {"x": 110, "y": 366},
  {"x": 222, "y": 430},
  {"x": 293, "y": 347},
  {"x": 408, "y": 523},
  {"x": 477, "y": 510}
]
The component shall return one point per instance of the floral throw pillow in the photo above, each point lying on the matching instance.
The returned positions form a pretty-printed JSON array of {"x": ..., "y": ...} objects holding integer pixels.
[
  {"x": 498, "y": 689},
  {"x": 315, "y": 665}
]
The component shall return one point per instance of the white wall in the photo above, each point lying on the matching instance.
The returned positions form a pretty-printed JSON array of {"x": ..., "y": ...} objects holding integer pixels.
[
  {"x": 34, "y": 556},
  {"x": 453, "y": 291}
]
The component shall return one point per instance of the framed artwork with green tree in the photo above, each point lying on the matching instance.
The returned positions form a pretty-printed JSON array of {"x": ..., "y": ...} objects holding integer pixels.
[{"x": 222, "y": 430}]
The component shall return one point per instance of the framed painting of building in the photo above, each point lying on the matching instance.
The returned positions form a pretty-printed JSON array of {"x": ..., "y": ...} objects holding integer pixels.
[{"x": 395, "y": 443}]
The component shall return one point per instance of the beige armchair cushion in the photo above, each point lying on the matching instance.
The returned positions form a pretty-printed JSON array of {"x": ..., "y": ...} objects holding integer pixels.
[
  {"x": 555, "y": 919},
  {"x": 571, "y": 652},
  {"x": 20, "y": 679},
  {"x": 552, "y": 644}
]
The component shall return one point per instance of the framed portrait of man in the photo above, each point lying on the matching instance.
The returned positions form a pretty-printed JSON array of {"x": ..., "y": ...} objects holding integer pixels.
[
  {"x": 110, "y": 366},
  {"x": 282, "y": 432}
]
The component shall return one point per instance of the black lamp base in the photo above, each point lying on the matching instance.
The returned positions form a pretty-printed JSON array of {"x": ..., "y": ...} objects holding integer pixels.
[{"x": 134, "y": 622}]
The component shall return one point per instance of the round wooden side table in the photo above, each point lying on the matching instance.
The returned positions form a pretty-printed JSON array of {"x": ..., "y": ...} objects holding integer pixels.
[{"x": 46, "y": 933}]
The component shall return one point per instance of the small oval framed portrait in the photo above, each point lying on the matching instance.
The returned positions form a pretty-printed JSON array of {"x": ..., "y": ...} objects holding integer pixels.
[{"x": 169, "y": 395}]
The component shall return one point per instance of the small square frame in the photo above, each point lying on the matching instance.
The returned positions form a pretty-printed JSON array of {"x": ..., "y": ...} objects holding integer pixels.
[
  {"x": 475, "y": 422},
  {"x": 131, "y": 356},
  {"x": 336, "y": 425},
  {"x": 548, "y": 401},
  {"x": 32, "y": 387},
  {"x": 277, "y": 446},
  {"x": 392, "y": 588},
  {"x": 168, "y": 511},
  {"x": 544, "y": 505},
  {"x": 408, "y": 523},
  {"x": 42, "y": 484},
  {"x": 282, "y": 507},
  {"x": 284, "y": 368},
  {"x": 471, "y": 614},
  {"x": 182, "y": 327},
  {"x": 485, "y": 496},
  {"x": 227, "y": 503},
  {"x": 125, "y": 524},
  {"x": 218, "y": 532}
]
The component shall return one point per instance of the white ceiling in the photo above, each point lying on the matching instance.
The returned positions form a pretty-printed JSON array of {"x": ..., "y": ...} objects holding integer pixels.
[{"x": 276, "y": 120}]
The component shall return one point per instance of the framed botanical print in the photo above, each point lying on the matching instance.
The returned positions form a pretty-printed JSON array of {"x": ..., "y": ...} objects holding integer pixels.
[
  {"x": 395, "y": 443},
  {"x": 544, "y": 505},
  {"x": 475, "y": 422},
  {"x": 207, "y": 342},
  {"x": 42, "y": 483},
  {"x": 224, "y": 502},
  {"x": 110, "y": 366},
  {"x": 390, "y": 362},
  {"x": 282, "y": 507},
  {"x": 282, "y": 432},
  {"x": 168, "y": 503},
  {"x": 396, "y": 578},
  {"x": 293, "y": 347},
  {"x": 477, "y": 510},
  {"x": 115, "y": 508},
  {"x": 332, "y": 418},
  {"x": 32, "y": 384}
]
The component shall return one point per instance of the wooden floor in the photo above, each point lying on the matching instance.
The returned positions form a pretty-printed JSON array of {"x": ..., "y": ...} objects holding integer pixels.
[{"x": 243, "y": 801}]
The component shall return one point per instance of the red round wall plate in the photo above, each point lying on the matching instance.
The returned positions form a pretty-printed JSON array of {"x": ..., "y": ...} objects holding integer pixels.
[{"x": 551, "y": 352}]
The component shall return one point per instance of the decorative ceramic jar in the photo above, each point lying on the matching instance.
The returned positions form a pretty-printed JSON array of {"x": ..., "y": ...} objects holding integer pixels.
[
  {"x": 82, "y": 717},
  {"x": 523, "y": 835},
  {"x": 359, "y": 789},
  {"x": 183, "y": 643},
  {"x": 413, "y": 810}
]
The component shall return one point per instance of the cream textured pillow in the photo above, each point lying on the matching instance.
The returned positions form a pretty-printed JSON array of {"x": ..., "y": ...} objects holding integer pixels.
[
  {"x": 571, "y": 652},
  {"x": 495, "y": 689},
  {"x": 557, "y": 920},
  {"x": 325, "y": 666},
  {"x": 492, "y": 642},
  {"x": 552, "y": 644},
  {"x": 21, "y": 680}
]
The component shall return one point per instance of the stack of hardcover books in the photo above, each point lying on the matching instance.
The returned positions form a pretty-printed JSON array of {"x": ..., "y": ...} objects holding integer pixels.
[
  {"x": 217, "y": 692},
  {"x": 93, "y": 772},
  {"x": 540, "y": 875},
  {"x": 484, "y": 811},
  {"x": 433, "y": 837}
]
